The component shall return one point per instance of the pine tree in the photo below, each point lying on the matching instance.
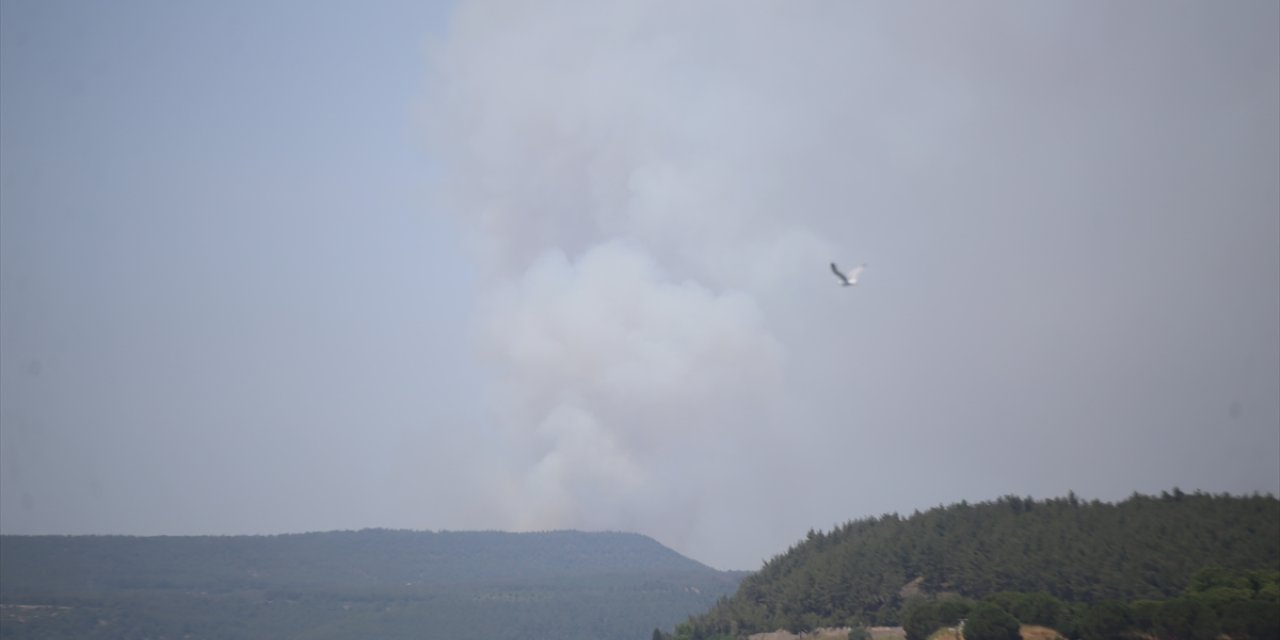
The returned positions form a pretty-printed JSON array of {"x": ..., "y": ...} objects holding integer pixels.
[{"x": 988, "y": 622}]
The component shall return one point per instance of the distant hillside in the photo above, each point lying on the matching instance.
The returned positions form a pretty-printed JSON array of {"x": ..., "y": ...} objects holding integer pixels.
[
  {"x": 373, "y": 583},
  {"x": 1078, "y": 552},
  {"x": 369, "y": 558}
]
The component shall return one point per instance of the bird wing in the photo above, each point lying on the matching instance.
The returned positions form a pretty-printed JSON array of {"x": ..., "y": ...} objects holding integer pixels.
[
  {"x": 857, "y": 271},
  {"x": 839, "y": 274}
]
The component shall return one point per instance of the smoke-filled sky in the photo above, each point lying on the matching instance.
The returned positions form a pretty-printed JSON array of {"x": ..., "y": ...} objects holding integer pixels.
[{"x": 303, "y": 266}]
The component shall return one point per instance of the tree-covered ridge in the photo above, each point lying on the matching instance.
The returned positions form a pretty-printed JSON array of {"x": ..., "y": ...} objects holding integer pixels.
[
  {"x": 370, "y": 558},
  {"x": 1144, "y": 548},
  {"x": 376, "y": 583},
  {"x": 1217, "y": 603}
]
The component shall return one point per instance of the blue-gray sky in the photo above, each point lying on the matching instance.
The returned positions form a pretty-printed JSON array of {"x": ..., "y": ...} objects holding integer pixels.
[{"x": 271, "y": 267}]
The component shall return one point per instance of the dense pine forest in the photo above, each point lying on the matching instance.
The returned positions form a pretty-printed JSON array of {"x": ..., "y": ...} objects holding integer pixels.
[
  {"x": 342, "y": 585},
  {"x": 1178, "y": 565},
  {"x": 1094, "y": 559}
]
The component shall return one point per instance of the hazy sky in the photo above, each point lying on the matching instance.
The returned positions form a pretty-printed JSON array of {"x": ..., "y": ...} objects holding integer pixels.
[{"x": 279, "y": 267}]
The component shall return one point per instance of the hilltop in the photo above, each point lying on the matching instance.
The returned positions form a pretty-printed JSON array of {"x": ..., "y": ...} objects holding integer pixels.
[
  {"x": 350, "y": 584},
  {"x": 1070, "y": 552}
]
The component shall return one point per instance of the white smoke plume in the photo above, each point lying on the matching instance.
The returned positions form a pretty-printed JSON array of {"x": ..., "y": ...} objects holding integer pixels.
[
  {"x": 657, "y": 187},
  {"x": 612, "y": 370},
  {"x": 632, "y": 233}
]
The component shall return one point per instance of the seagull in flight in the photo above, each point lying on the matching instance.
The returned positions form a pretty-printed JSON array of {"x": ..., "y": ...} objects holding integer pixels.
[{"x": 848, "y": 279}]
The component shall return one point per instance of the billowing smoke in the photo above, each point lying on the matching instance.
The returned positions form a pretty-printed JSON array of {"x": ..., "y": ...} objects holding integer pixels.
[
  {"x": 612, "y": 371},
  {"x": 656, "y": 189},
  {"x": 607, "y": 157}
]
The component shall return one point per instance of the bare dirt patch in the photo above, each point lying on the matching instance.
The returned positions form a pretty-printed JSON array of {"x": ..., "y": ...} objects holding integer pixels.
[
  {"x": 836, "y": 633},
  {"x": 833, "y": 633},
  {"x": 1033, "y": 632}
]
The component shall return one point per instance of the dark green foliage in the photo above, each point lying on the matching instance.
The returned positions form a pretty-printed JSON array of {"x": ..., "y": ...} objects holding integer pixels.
[
  {"x": 1057, "y": 552},
  {"x": 988, "y": 622},
  {"x": 1187, "y": 619},
  {"x": 368, "y": 584},
  {"x": 1037, "y": 608},
  {"x": 1107, "y": 620},
  {"x": 1240, "y": 605},
  {"x": 921, "y": 617},
  {"x": 1255, "y": 619},
  {"x": 919, "y": 620}
]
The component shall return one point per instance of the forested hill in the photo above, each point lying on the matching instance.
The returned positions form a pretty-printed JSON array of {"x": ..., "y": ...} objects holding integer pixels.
[
  {"x": 1142, "y": 548},
  {"x": 368, "y": 558},
  {"x": 375, "y": 583}
]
